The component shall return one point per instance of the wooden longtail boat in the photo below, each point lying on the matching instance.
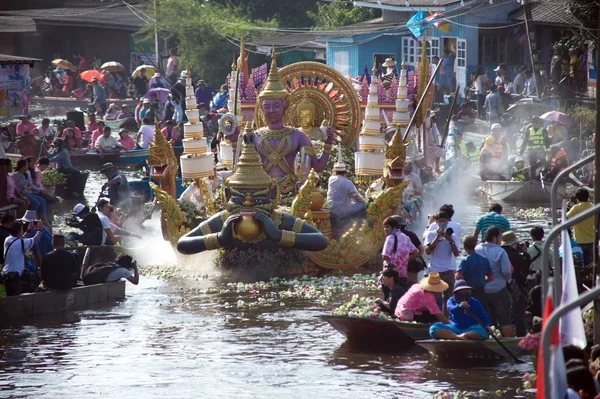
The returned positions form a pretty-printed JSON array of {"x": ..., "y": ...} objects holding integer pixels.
[
  {"x": 468, "y": 352},
  {"x": 520, "y": 192},
  {"x": 27, "y": 307},
  {"x": 378, "y": 332},
  {"x": 133, "y": 157},
  {"x": 70, "y": 102}
]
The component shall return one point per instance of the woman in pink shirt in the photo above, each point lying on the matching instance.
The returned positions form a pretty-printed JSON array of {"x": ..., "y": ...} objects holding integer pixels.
[
  {"x": 13, "y": 195},
  {"x": 398, "y": 249},
  {"x": 419, "y": 304},
  {"x": 97, "y": 133},
  {"x": 126, "y": 140},
  {"x": 25, "y": 125}
]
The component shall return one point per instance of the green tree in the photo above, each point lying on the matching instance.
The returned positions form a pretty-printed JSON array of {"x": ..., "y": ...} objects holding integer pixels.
[
  {"x": 338, "y": 13},
  {"x": 586, "y": 12},
  {"x": 289, "y": 13},
  {"x": 204, "y": 33}
]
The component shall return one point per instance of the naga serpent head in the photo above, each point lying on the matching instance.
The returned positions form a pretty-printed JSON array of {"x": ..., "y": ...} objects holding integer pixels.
[
  {"x": 162, "y": 158},
  {"x": 395, "y": 156}
]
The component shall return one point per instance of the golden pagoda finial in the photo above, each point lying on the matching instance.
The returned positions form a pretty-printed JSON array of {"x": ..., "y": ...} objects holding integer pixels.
[
  {"x": 403, "y": 65},
  {"x": 249, "y": 170},
  {"x": 374, "y": 70},
  {"x": 233, "y": 64},
  {"x": 273, "y": 88}
]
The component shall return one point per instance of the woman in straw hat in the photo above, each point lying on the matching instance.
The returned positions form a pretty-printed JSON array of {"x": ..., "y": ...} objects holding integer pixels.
[{"x": 419, "y": 303}]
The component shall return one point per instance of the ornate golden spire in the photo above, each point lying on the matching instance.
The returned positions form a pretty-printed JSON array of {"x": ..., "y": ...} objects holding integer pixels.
[
  {"x": 273, "y": 88},
  {"x": 374, "y": 70},
  {"x": 249, "y": 170},
  {"x": 403, "y": 65},
  {"x": 159, "y": 141},
  {"x": 233, "y": 64}
]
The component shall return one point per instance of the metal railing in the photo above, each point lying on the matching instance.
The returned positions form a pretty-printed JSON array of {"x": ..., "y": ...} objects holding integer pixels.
[
  {"x": 546, "y": 249},
  {"x": 552, "y": 320},
  {"x": 553, "y": 205}
]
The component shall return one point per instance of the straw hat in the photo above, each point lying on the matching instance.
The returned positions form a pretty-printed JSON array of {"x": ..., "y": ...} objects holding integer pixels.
[
  {"x": 107, "y": 167},
  {"x": 509, "y": 238},
  {"x": 389, "y": 62},
  {"x": 433, "y": 283}
]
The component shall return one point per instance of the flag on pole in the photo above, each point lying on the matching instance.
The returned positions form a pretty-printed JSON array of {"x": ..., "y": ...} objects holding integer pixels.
[
  {"x": 548, "y": 308},
  {"x": 571, "y": 327},
  {"x": 442, "y": 24},
  {"x": 416, "y": 25}
]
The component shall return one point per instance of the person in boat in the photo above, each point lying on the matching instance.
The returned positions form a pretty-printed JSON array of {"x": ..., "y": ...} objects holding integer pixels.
[
  {"x": 519, "y": 172},
  {"x": 64, "y": 165},
  {"x": 536, "y": 142},
  {"x": 490, "y": 163},
  {"x": 99, "y": 96},
  {"x": 89, "y": 223},
  {"x": 14, "y": 272},
  {"x": 59, "y": 268},
  {"x": 419, "y": 303},
  {"x": 169, "y": 131},
  {"x": 558, "y": 162},
  {"x": 418, "y": 263},
  {"x": 520, "y": 261},
  {"x": 112, "y": 113},
  {"x": 45, "y": 129},
  {"x": 108, "y": 238},
  {"x": 398, "y": 251},
  {"x": 13, "y": 196},
  {"x": 146, "y": 133},
  {"x": 393, "y": 291},
  {"x": 116, "y": 224},
  {"x": 499, "y": 299},
  {"x": 76, "y": 132},
  {"x": 70, "y": 141},
  {"x": 469, "y": 152},
  {"x": 441, "y": 247},
  {"x": 125, "y": 112},
  {"x": 26, "y": 144},
  {"x": 462, "y": 325},
  {"x": 125, "y": 140},
  {"x": 415, "y": 184},
  {"x": 343, "y": 199},
  {"x": 118, "y": 187},
  {"x": 107, "y": 143},
  {"x": 24, "y": 125},
  {"x": 108, "y": 272},
  {"x": 92, "y": 122},
  {"x": 492, "y": 218},
  {"x": 97, "y": 133},
  {"x": 475, "y": 269},
  {"x": 24, "y": 186}
]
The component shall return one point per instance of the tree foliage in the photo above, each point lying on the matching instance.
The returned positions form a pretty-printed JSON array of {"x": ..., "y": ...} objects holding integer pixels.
[
  {"x": 338, "y": 13},
  {"x": 289, "y": 13},
  {"x": 586, "y": 12}
]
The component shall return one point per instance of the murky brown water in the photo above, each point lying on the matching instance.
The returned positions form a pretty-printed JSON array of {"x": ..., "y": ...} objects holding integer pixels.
[{"x": 167, "y": 340}]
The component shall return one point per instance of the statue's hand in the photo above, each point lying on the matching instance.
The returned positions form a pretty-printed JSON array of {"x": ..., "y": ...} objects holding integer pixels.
[
  {"x": 226, "y": 233},
  {"x": 271, "y": 231},
  {"x": 330, "y": 135}
]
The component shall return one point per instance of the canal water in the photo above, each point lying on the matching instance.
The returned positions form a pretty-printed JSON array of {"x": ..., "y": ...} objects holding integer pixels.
[{"x": 179, "y": 338}]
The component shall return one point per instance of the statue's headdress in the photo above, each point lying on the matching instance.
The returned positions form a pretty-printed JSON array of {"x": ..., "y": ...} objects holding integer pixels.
[
  {"x": 249, "y": 172},
  {"x": 273, "y": 88}
]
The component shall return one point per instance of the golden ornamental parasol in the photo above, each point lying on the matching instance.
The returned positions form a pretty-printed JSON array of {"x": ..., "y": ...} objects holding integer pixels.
[{"x": 64, "y": 64}]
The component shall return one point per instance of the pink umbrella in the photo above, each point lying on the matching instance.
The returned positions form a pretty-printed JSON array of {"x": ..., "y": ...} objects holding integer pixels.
[
  {"x": 163, "y": 94},
  {"x": 555, "y": 116}
]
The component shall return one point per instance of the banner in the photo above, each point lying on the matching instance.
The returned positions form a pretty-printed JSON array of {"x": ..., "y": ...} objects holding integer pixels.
[{"x": 14, "y": 90}]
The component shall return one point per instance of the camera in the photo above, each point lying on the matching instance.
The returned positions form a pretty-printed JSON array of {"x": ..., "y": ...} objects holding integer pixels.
[{"x": 449, "y": 231}]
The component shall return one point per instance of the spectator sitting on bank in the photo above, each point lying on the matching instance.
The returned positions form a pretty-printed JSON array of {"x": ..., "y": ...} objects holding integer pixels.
[
  {"x": 111, "y": 271},
  {"x": 59, "y": 268},
  {"x": 475, "y": 270}
]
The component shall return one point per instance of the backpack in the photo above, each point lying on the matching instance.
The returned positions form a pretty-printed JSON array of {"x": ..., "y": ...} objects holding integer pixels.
[{"x": 98, "y": 273}]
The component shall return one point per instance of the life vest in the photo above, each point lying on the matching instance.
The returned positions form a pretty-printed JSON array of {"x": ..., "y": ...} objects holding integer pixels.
[
  {"x": 560, "y": 154},
  {"x": 536, "y": 139},
  {"x": 497, "y": 149},
  {"x": 518, "y": 174},
  {"x": 471, "y": 156}
]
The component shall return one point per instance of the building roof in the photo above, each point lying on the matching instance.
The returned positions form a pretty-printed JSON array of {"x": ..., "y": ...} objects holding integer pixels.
[
  {"x": 11, "y": 24},
  {"x": 413, "y": 5},
  {"x": 112, "y": 17},
  {"x": 13, "y": 59},
  {"x": 375, "y": 25},
  {"x": 547, "y": 12},
  {"x": 300, "y": 41}
]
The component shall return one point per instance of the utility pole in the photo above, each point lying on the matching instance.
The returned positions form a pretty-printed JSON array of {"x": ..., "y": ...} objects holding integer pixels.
[
  {"x": 532, "y": 45},
  {"x": 156, "y": 42},
  {"x": 597, "y": 187}
]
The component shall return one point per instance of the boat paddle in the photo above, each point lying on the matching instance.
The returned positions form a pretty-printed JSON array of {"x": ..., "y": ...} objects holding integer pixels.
[{"x": 517, "y": 360}]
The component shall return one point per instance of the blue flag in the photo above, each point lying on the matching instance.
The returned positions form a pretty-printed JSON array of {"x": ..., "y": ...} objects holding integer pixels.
[{"x": 416, "y": 24}]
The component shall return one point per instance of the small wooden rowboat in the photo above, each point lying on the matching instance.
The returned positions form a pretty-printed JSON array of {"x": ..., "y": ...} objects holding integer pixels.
[
  {"x": 27, "y": 307},
  {"x": 520, "y": 191},
  {"x": 70, "y": 102},
  {"x": 378, "y": 332},
  {"x": 133, "y": 157},
  {"x": 466, "y": 352},
  {"x": 65, "y": 191}
]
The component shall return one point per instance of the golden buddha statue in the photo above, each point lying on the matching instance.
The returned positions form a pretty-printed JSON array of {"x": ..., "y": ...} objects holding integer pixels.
[{"x": 306, "y": 113}]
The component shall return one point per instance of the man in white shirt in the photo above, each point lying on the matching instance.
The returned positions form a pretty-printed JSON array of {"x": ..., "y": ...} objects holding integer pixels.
[
  {"x": 500, "y": 69},
  {"x": 107, "y": 143},
  {"x": 146, "y": 132},
  {"x": 108, "y": 237},
  {"x": 14, "y": 249},
  {"x": 448, "y": 209},
  {"x": 343, "y": 199},
  {"x": 415, "y": 181},
  {"x": 529, "y": 89}
]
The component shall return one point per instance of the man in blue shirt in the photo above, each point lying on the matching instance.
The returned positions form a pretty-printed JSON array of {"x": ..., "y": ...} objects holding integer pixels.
[
  {"x": 203, "y": 94},
  {"x": 493, "y": 218},
  {"x": 475, "y": 270},
  {"x": 462, "y": 325},
  {"x": 64, "y": 165}
]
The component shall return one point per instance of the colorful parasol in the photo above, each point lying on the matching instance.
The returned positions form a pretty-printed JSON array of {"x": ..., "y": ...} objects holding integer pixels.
[
  {"x": 161, "y": 93},
  {"x": 112, "y": 66},
  {"x": 92, "y": 73},
  {"x": 555, "y": 116},
  {"x": 64, "y": 64},
  {"x": 150, "y": 70}
]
